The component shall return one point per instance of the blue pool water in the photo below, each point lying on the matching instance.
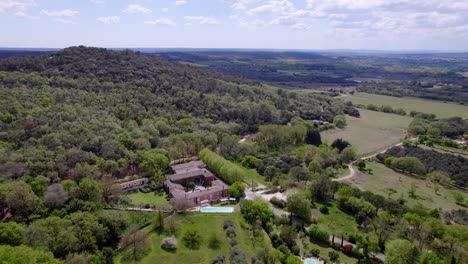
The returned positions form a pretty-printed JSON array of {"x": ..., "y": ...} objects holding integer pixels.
[
  {"x": 310, "y": 262},
  {"x": 217, "y": 209}
]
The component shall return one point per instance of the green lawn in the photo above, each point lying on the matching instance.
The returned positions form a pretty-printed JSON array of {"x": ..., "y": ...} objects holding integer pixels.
[
  {"x": 439, "y": 108},
  {"x": 206, "y": 223},
  {"x": 151, "y": 198},
  {"x": 336, "y": 221},
  {"x": 373, "y": 131},
  {"x": 384, "y": 179},
  {"x": 251, "y": 174}
]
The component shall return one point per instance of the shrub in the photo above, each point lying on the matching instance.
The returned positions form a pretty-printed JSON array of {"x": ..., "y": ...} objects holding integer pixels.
[
  {"x": 324, "y": 210},
  {"x": 192, "y": 239},
  {"x": 278, "y": 202},
  {"x": 334, "y": 256},
  {"x": 228, "y": 223},
  {"x": 236, "y": 190},
  {"x": 249, "y": 162},
  {"x": 219, "y": 260},
  {"x": 315, "y": 252},
  {"x": 233, "y": 242},
  {"x": 295, "y": 249},
  {"x": 317, "y": 234},
  {"x": 169, "y": 243},
  {"x": 356, "y": 253},
  {"x": 281, "y": 220},
  {"x": 236, "y": 255},
  {"x": 347, "y": 249},
  {"x": 214, "y": 242},
  {"x": 231, "y": 232},
  {"x": 352, "y": 238}
]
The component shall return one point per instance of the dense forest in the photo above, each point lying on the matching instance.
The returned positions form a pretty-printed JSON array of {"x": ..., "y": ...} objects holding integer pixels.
[
  {"x": 436, "y": 76},
  {"x": 86, "y": 111}
]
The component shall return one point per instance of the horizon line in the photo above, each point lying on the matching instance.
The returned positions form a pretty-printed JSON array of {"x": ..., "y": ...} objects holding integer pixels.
[{"x": 251, "y": 49}]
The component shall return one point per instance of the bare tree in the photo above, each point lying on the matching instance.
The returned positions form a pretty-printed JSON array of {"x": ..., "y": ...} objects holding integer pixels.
[
  {"x": 135, "y": 243},
  {"x": 181, "y": 204},
  {"x": 110, "y": 188},
  {"x": 55, "y": 196}
]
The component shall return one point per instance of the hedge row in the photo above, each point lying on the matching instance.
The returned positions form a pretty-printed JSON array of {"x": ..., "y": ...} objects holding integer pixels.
[{"x": 225, "y": 169}]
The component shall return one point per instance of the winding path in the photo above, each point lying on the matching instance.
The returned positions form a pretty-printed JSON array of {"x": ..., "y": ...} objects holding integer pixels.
[{"x": 352, "y": 171}]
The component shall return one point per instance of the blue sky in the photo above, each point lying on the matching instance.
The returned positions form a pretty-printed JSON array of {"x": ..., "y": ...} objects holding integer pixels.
[{"x": 281, "y": 24}]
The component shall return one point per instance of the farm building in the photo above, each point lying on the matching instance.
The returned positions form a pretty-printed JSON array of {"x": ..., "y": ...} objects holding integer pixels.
[{"x": 134, "y": 185}]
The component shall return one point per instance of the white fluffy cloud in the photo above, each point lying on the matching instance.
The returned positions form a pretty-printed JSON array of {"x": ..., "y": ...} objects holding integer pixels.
[
  {"x": 241, "y": 4},
  {"x": 65, "y": 21},
  {"x": 60, "y": 13},
  {"x": 21, "y": 14},
  {"x": 160, "y": 21},
  {"x": 109, "y": 19},
  {"x": 273, "y": 6},
  {"x": 10, "y": 6},
  {"x": 392, "y": 16},
  {"x": 365, "y": 17},
  {"x": 137, "y": 9},
  {"x": 180, "y": 2},
  {"x": 201, "y": 20}
]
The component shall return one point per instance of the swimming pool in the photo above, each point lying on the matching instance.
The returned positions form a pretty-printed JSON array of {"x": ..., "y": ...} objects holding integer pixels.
[
  {"x": 310, "y": 261},
  {"x": 217, "y": 209}
]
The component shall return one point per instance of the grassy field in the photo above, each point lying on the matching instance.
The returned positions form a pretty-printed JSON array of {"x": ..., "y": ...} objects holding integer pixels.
[
  {"x": 151, "y": 198},
  {"x": 384, "y": 179},
  {"x": 336, "y": 221},
  {"x": 207, "y": 224},
  {"x": 251, "y": 174},
  {"x": 439, "y": 108},
  {"x": 372, "y": 132}
]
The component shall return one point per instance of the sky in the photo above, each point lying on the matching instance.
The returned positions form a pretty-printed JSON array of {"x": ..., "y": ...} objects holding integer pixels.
[{"x": 270, "y": 24}]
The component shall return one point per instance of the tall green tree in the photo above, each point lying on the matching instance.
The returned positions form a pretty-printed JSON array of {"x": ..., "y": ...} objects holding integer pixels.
[
  {"x": 401, "y": 251},
  {"x": 11, "y": 233},
  {"x": 24, "y": 254},
  {"x": 20, "y": 199},
  {"x": 298, "y": 205}
]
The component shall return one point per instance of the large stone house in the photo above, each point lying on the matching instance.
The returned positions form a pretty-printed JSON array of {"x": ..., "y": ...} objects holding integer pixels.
[{"x": 206, "y": 187}]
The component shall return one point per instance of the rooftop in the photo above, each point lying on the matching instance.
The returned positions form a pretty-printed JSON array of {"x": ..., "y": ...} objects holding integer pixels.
[
  {"x": 196, "y": 164},
  {"x": 189, "y": 174}
]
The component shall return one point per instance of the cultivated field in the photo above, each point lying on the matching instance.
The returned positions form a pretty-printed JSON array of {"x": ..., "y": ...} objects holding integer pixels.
[
  {"x": 384, "y": 179},
  {"x": 206, "y": 224},
  {"x": 373, "y": 131},
  {"x": 439, "y": 108}
]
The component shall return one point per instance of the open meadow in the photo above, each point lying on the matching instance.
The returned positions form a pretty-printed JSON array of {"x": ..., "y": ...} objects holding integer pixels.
[
  {"x": 384, "y": 181},
  {"x": 207, "y": 224},
  {"x": 441, "y": 109},
  {"x": 373, "y": 131}
]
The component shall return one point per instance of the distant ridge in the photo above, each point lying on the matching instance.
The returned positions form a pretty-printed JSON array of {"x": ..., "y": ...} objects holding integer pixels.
[{"x": 352, "y": 51}]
